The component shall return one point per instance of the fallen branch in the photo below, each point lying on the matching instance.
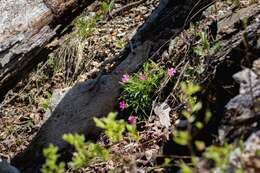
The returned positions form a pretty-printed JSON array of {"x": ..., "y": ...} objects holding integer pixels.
[{"x": 125, "y": 8}]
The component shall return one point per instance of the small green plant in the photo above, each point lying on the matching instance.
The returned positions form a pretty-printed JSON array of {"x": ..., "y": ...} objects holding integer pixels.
[
  {"x": 137, "y": 91},
  {"x": 87, "y": 153},
  {"x": 204, "y": 46},
  {"x": 46, "y": 102},
  {"x": 223, "y": 155},
  {"x": 114, "y": 129},
  {"x": 86, "y": 25},
  {"x": 107, "y": 7},
  {"x": 53, "y": 63},
  {"x": 51, "y": 165},
  {"x": 188, "y": 168},
  {"x": 185, "y": 168},
  {"x": 84, "y": 153},
  {"x": 220, "y": 155},
  {"x": 192, "y": 102},
  {"x": 132, "y": 132},
  {"x": 120, "y": 44},
  {"x": 236, "y": 3},
  {"x": 191, "y": 108},
  {"x": 258, "y": 153}
]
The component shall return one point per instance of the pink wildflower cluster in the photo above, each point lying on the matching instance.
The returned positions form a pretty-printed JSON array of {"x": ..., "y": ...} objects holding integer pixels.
[
  {"x": 125, "y": 78},
  {"x": 122, "y": 104},
  {"x": 171, "y": 71},
  {"x": 132, "y": 119},
  {"x": 142, "y": 76}
]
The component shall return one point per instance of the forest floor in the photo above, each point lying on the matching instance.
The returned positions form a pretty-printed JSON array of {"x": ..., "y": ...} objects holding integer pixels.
[
  {"x": 22, "y": 111},
  {"x": 79, "y": 59}
]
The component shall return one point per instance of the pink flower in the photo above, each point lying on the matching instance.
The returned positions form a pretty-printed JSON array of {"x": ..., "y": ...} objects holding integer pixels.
[
  {"x": 171, "y": 72},
  {"x": 142, "y": 76},
  {"x": 122, "y": 104},
  {"x": 125, "y": 78},
  {"x": 132, "y": 119}
]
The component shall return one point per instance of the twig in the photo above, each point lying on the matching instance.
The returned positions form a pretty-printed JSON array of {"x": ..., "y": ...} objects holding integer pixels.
[
  {"x": 124, "y": 8},
  {"x": 188, "y": 19},
  {"x": 178, "y": 80}
]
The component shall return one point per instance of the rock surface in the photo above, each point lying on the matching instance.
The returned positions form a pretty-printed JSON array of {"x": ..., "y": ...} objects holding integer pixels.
[
  {"x": 86, "y": 100},
  {"x": 26, "y": 27},
  {"x": 244, "y": 108}
]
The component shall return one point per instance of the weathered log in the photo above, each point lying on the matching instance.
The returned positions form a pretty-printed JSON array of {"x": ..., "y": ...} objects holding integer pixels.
[
  {"x": 75, "y": 111},
  {"x": 26, "y": 27}
]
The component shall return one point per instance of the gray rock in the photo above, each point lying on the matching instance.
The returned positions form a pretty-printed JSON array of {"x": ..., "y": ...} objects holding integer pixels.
[{"x": 5, "y": 167}]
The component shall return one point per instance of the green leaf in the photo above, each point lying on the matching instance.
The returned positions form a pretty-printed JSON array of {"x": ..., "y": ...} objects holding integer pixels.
[
  {"x": 185, "y": 168},
  {"x": 51, "y": 165},
  {"x": 181, "y": 137},
  {"x": 99, "y": 123},
  {"x": 207, "y": 116},
  {"x": 197, "y": 107},
  {"x": 131, "y": 128},
  {"x": 105, "y": 7},
  {"x": 198, "y": 50},
  {"x": 111, "y": 5},
  {"x": 200, "y": 145},
  {"x": 186, "y": 114},
  {"x": 167, "y": 161},
  {"x": 240, "y": 170},
  {"x": 199, "y": 125},
  {"x": 192, "y": 89}
]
